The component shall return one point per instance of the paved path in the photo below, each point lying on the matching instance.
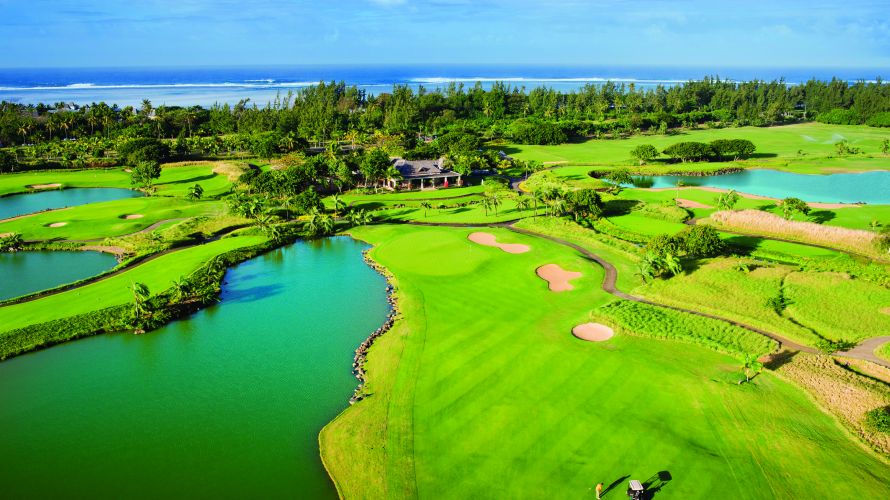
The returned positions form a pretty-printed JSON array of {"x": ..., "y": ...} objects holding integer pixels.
[{"x": 864, "y": 351}]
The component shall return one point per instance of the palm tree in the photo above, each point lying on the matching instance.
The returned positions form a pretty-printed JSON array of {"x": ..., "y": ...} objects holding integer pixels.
[
  {"x": 522, "y": 203},
  {"x": 195, "y": 192},
  {"x": 426, "y": 206},
  {"x": 141, "y": 295},
  {"x": 672, "y": 264},
  {"x": 486, "y": 204},
  {"x": 312, "y": 223},
  {"x": 326, "y": 224},
  {"x": 648, "y": 267},
  {"x": 495, "y": 200},
  {"x": 181, "y": 289},
  {"x": 339, "y": 204},
  {"x": 751, "y": 367},
  {"x": 557, "y": 206}
]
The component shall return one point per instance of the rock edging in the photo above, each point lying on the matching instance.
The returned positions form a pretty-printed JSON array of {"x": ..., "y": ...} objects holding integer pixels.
[{"x": 361, "y": 353}]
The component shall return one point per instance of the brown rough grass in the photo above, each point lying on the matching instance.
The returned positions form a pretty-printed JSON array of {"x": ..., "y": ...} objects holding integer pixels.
[
  {"x": 764, "y": 223},
  {"x": 846, "y": 394}
]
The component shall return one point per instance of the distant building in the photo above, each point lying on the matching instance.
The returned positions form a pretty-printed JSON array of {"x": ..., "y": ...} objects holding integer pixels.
[{"x": 423, "y": 174}]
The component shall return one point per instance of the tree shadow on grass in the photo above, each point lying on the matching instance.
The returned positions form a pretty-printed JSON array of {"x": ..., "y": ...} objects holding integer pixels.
[
  {"x": 187, "y": 181},
  {"x": 619, "y": 207},
  {"x": 821, "y": 216}
]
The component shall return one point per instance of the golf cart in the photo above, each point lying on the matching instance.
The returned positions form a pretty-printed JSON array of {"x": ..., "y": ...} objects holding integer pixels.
[{"x": 635, "y": 490}]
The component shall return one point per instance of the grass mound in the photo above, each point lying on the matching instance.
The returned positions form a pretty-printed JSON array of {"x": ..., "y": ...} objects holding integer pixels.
[{"x": 633, "y": 318}]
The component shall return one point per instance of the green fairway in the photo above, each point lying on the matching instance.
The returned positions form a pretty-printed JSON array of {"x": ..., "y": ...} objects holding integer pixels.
[
  {"x": 802, "y": 148},
  {"x": 107, "y": 219},
  {"x": 157, "y": 274},
  {"x": 481, "y": 391},
  {"x": 174, "y": 181}
]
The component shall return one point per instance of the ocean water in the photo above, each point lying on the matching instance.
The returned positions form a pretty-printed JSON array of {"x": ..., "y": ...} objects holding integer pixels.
[{"x": 184, "y": 86}]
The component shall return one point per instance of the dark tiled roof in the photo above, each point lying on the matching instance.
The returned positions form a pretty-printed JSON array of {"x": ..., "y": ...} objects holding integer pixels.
[{"x": 423, "y": 169}]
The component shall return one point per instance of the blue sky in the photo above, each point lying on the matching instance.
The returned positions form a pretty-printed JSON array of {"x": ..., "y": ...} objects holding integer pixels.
[{"x": 775, "y": 33}]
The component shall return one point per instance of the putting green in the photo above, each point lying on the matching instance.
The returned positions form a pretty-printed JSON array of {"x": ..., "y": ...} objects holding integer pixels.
[{"x": 482, "y": 391}]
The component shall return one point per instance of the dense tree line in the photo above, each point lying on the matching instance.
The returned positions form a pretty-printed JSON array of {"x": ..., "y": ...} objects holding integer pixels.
[{"x": 337, "y": 111}]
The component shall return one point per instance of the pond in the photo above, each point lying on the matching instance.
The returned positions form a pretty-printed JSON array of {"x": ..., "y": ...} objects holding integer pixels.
[
  {"x": 29, "y": 272},
  {"x": 22, "y": 204},
  {"x": 867, "y": 187},
  {"x": 226, "y": 404}
]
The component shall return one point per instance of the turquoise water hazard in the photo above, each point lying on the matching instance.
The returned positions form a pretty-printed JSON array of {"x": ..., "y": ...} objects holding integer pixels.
[
  {"x": 21, "y": 204},
  {"x": 866, "y": 187},
  {"x": 28, "y": 272},
  {"x": 226, "y": 404}
]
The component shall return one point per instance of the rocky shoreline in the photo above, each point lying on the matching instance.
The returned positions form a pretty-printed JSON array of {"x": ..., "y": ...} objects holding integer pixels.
[
  {"x": 361, "y": 354},
  {"x": 598, "y": 174}
]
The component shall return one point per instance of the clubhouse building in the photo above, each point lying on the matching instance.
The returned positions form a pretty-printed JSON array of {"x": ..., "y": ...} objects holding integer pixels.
[{"x": 423, "y": 174}]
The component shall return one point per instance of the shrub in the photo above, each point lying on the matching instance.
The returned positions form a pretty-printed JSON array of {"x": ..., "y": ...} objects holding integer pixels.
[
  {"x": 879, "y": 419},
  {"x": 143, "y": 150},
  {"x": 8, "y": 162},
  {"x": 644, "y": 153},
  {"x": 689, "y": 151},
  {"x": 703, "y": 241},
  {"x": 839, "y": 116},
  {"x": 879, "y": 120},
  {"x": 540, "y": 133}
]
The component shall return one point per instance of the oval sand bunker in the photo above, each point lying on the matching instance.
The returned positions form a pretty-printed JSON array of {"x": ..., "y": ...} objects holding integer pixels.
[
  {"x": 45, "y": 186},
  {"x": 490, "y": 240},
  {"x": 557, "y": 278},
  {"x": 133, "y": 216},
  {"x": 593, "y": 332},
  {"x": 58, "y": 224}
]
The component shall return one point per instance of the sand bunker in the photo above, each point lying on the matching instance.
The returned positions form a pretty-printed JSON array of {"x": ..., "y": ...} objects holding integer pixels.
[
  {"x": 691, "y": 204},
  {"x": 58, "y": 224},
  {"x": 557, "y": 277},
  {"x": 6, "y": 235},
  {"x": 593, "y": 332},
  {"x": 490, "y": 240},
  {"x": 886, "y": 310},
  {"x": 45, "y": 186},
  {"x": 132, "y": 216}
]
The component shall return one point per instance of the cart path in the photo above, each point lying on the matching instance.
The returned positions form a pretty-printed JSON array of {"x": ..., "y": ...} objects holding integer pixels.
[{"x": 864, "y": 351}]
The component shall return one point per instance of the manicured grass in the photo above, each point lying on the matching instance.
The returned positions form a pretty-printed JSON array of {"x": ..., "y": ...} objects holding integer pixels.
[
  {"x": 481, "y": 391},
  {"x": 174, "y": 180},
  {"x": 777, "y": 147},
  {"x": 462, "y": 215},
  {"x": 100, "y": 220},
  {"x": 18, "y": 182},
  {"x": 644, "y": 225},
  {"x": 157, "y": 274},
  {"x": 401, "y": 196}
]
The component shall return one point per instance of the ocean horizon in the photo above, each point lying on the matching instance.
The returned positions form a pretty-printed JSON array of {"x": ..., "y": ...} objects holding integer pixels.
[{"x": 186, "y": 86}]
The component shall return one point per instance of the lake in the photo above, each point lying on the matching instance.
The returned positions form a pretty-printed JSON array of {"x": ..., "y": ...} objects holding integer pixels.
[
  {"x": 227, "y": 403},
  {"x": 867, "y": 187},
  {"x": 29, "y": 272},
  {"x": 21, "y": 204}
]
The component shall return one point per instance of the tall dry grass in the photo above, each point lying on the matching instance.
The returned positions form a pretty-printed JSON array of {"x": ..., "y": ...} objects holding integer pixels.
[{"x": 756, "y": 222}]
